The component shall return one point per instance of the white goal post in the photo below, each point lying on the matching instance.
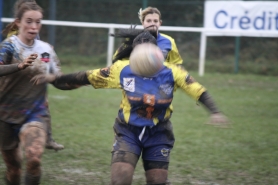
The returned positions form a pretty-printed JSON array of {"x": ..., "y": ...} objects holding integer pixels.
[{"x": 111, "y": 29}]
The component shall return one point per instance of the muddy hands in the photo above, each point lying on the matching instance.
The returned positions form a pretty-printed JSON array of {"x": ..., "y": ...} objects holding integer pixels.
[{"x": 27, "y": 62}]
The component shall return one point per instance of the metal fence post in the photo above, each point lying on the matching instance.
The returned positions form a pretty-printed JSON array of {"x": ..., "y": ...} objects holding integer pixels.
[
  {"x": 145, "y": 4},
  {"x": 1, "y": 24},
  {"x": 237, "y": 47},
  {"x": 203, "y": 45},
  {"x": 110, "y": 46},
  {"x": 52, "y": 28}
]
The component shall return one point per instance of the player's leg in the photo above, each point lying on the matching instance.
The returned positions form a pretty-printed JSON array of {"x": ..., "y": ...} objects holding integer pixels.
[
  {"x": 10, "y": 153},
  {"x": 160, "y": 140},
  {"x": 12, "y": 161},
  {"x": 125, "y": 153},
  {"x": 50, "y": 142},
  {"x": 33, "y": 138},
  {"x": 156, "y": 172},
  {"x": 122, "y": 167}
]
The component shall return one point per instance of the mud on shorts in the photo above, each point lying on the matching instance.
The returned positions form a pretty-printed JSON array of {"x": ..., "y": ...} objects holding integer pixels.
[
  {"x": 9, "y": 133},
  {"x": 154, "y": 143}
]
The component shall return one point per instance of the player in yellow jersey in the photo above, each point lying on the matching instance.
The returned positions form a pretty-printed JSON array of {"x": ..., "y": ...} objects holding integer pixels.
[
  {"x": 142, "y": 127},
  {"x": 150, "y": 18}
]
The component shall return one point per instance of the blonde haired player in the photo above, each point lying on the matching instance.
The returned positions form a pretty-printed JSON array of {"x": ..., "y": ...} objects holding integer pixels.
[
  {"x": 150, "y": 18},
  {"x": 142, "y": 127}
]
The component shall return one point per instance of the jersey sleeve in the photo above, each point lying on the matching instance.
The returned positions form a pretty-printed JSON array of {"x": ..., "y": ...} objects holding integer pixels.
[
  {"x": 186, "y": 82},
  {"x": 108, "y": 77},
  {"x": 55, "y": 66},
  {"x": 6, "y": 50},
  {"x": 173, "y": 56}
]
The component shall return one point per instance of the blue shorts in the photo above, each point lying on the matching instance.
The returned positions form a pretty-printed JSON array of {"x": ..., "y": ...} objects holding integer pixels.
[
  {"x": 154, "y": 144},
  {"x": 9, "y": 133}
]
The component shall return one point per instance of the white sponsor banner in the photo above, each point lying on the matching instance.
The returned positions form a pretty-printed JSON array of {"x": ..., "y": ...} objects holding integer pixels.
[{"x": 241, "y": 18}]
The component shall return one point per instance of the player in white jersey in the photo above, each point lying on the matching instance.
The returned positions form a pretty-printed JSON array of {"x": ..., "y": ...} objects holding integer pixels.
[
  {"x": 12, "y": 29},
  {"x": 24, "y": 112}
]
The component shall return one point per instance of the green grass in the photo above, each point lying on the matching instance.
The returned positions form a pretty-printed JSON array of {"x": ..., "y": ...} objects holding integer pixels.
[{"x": 246, "y": 154}]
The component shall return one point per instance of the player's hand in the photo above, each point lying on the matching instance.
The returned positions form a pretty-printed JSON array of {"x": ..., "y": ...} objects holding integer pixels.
[
  {"x": 219, "y": 120},
  {"x": 27, "y": 62},
  {"x": 43, "y": 78}
]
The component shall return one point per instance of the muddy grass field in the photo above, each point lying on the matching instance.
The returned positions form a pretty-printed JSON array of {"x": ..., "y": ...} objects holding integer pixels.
[{"x": 245, "y": 154}]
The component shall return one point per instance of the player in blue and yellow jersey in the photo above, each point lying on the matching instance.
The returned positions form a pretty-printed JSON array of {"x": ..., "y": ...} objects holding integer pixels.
[
  {"x": 150, "y": 18},
  {"x": 143, "y": 126}
]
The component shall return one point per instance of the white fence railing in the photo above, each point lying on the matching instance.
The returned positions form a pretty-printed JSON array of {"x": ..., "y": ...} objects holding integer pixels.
[{"x": 111, "y": 29}]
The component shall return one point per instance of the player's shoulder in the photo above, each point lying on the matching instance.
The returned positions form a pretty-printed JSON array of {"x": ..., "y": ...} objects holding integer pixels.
[
  {"x": 170, "y": 65},
  {"x": 43, "y": 43},
  {"x": 166, "y": 36},
  {"x": 175, "y": 68},
  {"x": 120, "y": 64},
  {"x": 9, "y": 42}
]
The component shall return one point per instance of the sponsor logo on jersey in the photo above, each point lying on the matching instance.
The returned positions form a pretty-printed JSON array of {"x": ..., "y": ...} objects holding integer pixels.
[
  {"x": 149, "y": 99},
  {"x": 166, "y": 88},
  {"x": 45, "y": 57},
  {"x": 129, "y": 84}
]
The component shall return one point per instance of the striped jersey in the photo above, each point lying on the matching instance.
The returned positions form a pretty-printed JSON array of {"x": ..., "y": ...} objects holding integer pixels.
[{"x": 19, "y": 98}]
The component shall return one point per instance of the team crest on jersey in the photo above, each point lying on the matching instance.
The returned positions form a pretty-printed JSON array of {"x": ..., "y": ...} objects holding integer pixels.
[
  {"x": 166, "y": 88},
  {"x": 129, "y": 84},
  {"x": 165, "y": 152},
  {"x": 45, "y": 57}
]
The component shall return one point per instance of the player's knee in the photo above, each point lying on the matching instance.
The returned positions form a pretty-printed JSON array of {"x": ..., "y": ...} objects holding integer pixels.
[
  {"x": 156, "y": 172},
  {"x": 33, "y": 130},
  {"x": 13, "y": 163},
  {"x": 33, "y": 166},
  {"x": 33, "y": 138},
  {"x": 13, "y": 174},
  {"x": 121, "y": 173},
  {"x": 124, "y": 157},
  {"x": 156, "y": 176}
]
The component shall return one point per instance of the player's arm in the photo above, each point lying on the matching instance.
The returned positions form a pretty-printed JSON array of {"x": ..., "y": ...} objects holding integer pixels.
[
  {"x": 62, "y": 81},
  {"x": 199, "y": 93},
  {"x": 173, "y": 55},
  {"x": 6, "y": 68},
  {"x": 99, "y": 78},
  {"x": 186, "y": 82},
  {"x": 71, "y": 81},
  {"x": 55, "y": 70}
]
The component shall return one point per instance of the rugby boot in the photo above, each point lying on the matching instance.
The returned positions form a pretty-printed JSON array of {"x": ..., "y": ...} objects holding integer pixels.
[{"x": 51, "y": 144}]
